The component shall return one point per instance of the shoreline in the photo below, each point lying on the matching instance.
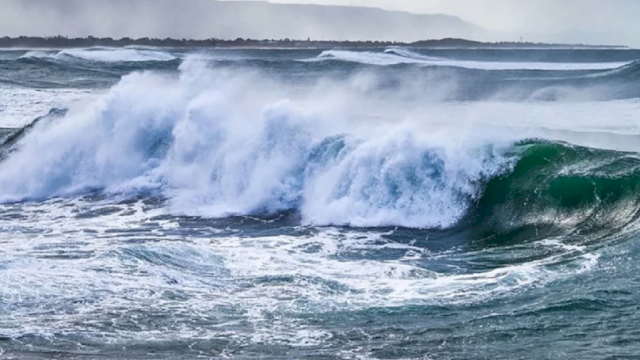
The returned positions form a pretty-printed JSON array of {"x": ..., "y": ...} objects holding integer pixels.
[{"x": 60, "y": 42}]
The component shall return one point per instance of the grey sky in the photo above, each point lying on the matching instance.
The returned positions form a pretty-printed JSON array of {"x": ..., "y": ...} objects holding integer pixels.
[
  {"x": 602, "y": 15},
  {"x": 610, "y": 21},
  {"x": 572, "y": 21}
]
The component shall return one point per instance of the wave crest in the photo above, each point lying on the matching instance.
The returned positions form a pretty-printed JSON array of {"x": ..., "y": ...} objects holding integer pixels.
[
  {"x": 189, "y": 141},
  {"x": 214, "y": 143}
]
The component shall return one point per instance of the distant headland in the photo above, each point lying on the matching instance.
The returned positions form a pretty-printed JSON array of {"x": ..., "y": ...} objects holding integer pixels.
[{"x": 90, "y": 41}]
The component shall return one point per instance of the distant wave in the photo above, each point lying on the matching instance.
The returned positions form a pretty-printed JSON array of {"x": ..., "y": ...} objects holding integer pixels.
[
  {"x": 366, "y": 57},
  {"x": 386, "y": 57},
  {"x": 105, "y": 54},
  {"x": 404, "y": 52},
  {"x": 395, "y": 56}
]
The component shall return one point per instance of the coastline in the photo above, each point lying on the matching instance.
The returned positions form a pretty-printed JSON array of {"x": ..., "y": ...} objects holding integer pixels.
[{"x": 60, "y": 42}]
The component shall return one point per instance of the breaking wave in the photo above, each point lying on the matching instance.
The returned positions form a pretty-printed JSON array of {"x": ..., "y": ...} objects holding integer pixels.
[{"x": 187, "y": 141}]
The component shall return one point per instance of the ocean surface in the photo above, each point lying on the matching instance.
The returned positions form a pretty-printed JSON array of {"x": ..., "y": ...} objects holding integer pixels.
[{"x": 382, "y": 203}]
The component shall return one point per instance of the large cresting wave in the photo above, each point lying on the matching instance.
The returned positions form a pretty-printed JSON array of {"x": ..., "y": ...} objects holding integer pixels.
[{"x": 214, "y": 143}]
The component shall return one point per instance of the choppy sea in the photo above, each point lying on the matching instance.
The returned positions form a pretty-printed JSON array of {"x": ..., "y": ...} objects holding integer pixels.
[{"x": 382, "y": 203}]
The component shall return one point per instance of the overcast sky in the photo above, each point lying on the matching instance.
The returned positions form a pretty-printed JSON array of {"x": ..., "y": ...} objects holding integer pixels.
[
  {"x": 603, "y": 15},
  {"x": 614, "y": 22},
  {"x": 610, "y": 21}
]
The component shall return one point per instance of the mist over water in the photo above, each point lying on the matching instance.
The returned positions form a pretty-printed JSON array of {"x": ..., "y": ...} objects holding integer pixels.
[{"x": 381, "y": 203}]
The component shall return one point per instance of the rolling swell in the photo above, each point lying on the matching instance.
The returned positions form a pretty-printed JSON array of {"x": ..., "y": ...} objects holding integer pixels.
[
  {"x": 100, "y": 54},
  {"x": 395, "y": 56},
  {"x": 67, "y": 71},
  {"x": 442, "y": 78}
]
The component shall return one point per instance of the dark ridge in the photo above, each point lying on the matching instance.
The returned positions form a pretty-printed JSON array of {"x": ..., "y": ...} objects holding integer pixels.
[{"x": 66, "y": 42}]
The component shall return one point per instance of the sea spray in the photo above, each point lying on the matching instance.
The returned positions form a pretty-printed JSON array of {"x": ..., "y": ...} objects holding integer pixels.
[{"x": 213, "y": 145}]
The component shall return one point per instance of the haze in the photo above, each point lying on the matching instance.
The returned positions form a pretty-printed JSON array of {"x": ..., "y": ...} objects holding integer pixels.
[
  {"x": 587, "y": 21},
  {"x": 570, "y": 21}
]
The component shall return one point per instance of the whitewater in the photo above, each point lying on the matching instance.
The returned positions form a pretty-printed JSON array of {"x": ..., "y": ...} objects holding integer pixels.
[{"x": 379, "y": 203}]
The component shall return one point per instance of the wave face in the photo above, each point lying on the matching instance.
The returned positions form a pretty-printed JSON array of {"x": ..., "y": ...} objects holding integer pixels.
[{"x": 567, "y": 188}]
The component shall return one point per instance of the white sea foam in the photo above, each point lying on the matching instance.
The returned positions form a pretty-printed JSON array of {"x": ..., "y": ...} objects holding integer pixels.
[{"x": 112, "y": 268}]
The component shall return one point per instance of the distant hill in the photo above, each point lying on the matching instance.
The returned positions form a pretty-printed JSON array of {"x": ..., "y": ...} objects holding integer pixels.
[
  {"x": 340, "y": 23},
  {"x": 201, "y": 19}
]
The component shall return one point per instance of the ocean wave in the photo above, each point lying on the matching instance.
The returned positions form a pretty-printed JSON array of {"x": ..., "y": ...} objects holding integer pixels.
[
  {"x": 100, "y": 54},
  {"x": 558, "y": 189},
  {"x": 404, "y": 52},
  {"x": 188, "y": 141},
  {"x": 395, "y": 56},
  {"x": 366, "y": 57}
]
